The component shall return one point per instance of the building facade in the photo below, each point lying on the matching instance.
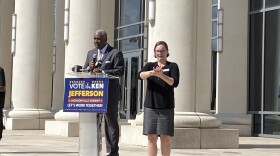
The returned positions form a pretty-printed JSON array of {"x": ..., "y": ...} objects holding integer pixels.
[{"x": 227, "y": 52}]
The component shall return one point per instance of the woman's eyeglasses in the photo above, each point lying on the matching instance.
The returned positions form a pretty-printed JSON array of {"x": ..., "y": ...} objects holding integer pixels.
[{"x": 160, "y": 51}]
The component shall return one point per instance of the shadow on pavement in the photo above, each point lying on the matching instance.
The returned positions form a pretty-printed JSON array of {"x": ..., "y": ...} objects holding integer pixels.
[{"x": 244, "y": 146}]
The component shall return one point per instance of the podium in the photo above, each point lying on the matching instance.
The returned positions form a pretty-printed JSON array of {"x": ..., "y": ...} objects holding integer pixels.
[{"x": 87, "y": 93}]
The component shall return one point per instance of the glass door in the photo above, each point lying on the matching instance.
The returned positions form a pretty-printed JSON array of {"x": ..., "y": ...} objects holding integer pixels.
[
  {"x": 131, "y": 87},
  {"x": 264, "y": 66}
]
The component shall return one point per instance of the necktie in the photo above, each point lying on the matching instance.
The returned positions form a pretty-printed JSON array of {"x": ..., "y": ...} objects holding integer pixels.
[{"x": 100, "y": 54}]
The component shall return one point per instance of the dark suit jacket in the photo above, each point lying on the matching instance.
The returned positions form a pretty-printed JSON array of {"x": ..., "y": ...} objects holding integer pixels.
[
  {"x": 112, "y": 64},
  {"x": 2, "y": 83}
]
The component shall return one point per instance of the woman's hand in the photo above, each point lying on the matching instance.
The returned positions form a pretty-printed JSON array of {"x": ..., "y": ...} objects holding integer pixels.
[{"x": 157, "y": 71}]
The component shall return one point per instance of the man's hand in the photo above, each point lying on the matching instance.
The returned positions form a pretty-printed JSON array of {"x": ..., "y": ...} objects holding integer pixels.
[{"x": 91, "y": 65}]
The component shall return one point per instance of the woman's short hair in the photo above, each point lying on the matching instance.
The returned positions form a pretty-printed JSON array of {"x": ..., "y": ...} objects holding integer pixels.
[{"x": 161, "y": 43}]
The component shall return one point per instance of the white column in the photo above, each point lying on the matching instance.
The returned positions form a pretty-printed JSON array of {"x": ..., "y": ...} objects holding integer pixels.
[
  {"x": 232, "y": 65},
  {"x": 6, "y": 11},
  {"x": 189, "y": 41},
  {"x": 67, "y": 122},
  {"x": 180, "y": 36},
  {"x": 84, "y": 21},
  {"x": 59, "y": 55},
  {"x": 32, "y": 65},
  {"x": 186, "y": 27},
  {"x": 203, "y": 59},
  {"x": 64, "y": 121}
]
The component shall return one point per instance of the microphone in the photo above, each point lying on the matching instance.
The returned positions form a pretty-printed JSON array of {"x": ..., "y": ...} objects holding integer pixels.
[
  {"x": 96, "y": 63},
  {"x": 77, "y": 68}
]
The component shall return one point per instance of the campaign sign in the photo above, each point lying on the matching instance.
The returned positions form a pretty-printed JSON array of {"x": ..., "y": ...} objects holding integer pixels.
[{"x": 85, "y": 95}]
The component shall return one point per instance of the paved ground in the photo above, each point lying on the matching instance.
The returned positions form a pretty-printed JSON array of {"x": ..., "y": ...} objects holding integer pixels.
[{"x": 36, "y": 143}]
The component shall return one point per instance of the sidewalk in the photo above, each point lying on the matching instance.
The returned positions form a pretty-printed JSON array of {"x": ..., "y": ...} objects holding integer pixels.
[{"x": 36, "y": 143}]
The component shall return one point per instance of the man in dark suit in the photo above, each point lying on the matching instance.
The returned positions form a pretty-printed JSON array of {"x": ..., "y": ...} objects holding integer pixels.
[
  {"x": 2, "y": 97},
  {"x": 109, "y": 61}
]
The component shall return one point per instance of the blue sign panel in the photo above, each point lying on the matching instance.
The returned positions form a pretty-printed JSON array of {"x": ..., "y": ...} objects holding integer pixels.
[{"x": 85, "y": 95}]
